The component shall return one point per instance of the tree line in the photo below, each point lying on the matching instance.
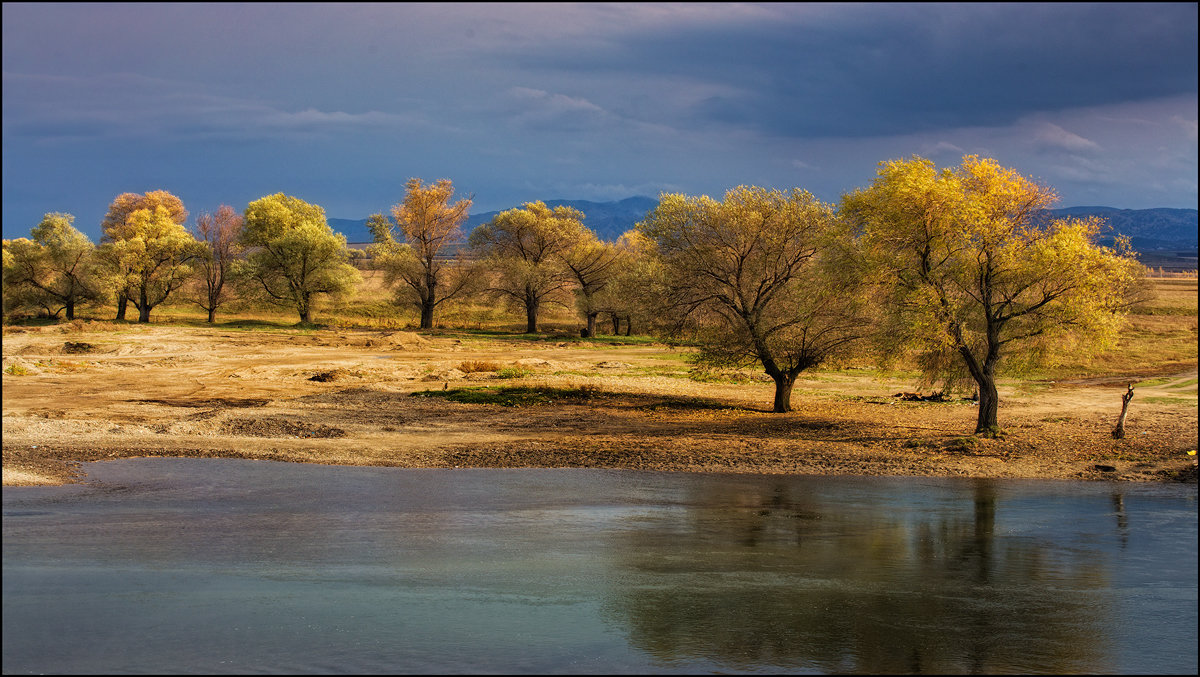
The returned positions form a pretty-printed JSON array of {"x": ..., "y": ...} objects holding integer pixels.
[{"x": 957, "y": 267}]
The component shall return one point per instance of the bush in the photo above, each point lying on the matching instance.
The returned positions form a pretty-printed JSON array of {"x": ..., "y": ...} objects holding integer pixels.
[
  {"x": 514, "y": 372},
  {"x": 472, "y": 366}
]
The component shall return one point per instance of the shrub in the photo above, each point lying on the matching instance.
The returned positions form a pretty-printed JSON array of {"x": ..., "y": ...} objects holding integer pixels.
[
  {"x": 514, "y": 372},
  {"x": 472, "y": 366}
]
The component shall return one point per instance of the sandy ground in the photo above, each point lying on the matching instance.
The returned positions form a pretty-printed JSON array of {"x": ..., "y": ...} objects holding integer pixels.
[{"x": 71, "y": 396}]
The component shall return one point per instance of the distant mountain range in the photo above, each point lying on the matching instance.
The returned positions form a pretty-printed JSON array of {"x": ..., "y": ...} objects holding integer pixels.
[
  {"x": 1148, "y": 229},
  {"x": 608, "y": 220}
]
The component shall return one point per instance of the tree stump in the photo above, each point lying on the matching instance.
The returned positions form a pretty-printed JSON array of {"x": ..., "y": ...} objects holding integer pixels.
[{"x": 1118, "y": 432}]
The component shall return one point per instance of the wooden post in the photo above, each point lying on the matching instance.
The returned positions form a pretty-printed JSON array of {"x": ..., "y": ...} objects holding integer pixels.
[{"x": 1118, "y": 432}]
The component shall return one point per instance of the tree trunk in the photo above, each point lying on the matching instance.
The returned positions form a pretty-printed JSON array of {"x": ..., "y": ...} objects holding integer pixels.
[
  {"x": 1118, "y": 433},
  {"x": 122, "y": 306},
  {"x": 427, "y": 314},
  {"x": 989, "y": 406},
  {"x": 783, "y": 392},
  {"x": 212, "y": 315},
  {"x": 143, "y": 307},
  {"x": 71, "y": 310},
  {"x": 628, "y": 325},
  {"x": 616, "y": 320},
  {"x": 591, "y": 328},
  {"x": 531, "y": 314}
]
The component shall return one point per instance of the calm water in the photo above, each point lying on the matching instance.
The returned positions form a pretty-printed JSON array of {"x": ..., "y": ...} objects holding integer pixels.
[{"x": 206, "y": 565}]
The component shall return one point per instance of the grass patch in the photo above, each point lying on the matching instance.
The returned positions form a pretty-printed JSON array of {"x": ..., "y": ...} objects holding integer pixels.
[
  {"x": 1170, "y": 400},
  {"x": 1151, "y": 383},
  {"x": 1190, "y": 383},
  {"x": 17, "y": 370},
  {"x": 513, "y": 372}
]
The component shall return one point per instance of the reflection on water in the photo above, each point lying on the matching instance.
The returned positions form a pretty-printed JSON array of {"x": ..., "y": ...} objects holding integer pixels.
[
  {"x": 785, "y": 581},
  {"x": 234, "y": 566}
]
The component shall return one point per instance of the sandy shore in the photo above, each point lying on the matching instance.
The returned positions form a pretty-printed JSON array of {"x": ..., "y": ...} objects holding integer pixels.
[{"x": 347, "y": 398}]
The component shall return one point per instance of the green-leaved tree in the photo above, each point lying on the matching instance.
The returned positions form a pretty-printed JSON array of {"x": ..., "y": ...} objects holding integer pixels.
[
  {"x": 293, "y": 255},
  {"x": 54, "y": 270},
  {"x": 764, "y": 276}
]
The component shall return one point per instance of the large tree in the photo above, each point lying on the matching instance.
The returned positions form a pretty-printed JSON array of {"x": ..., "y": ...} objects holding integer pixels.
[
  {"x": 429, "y": 221},
  {"x": 218, "y": 235},
  {"x": 294, "y": 255},
  {"x": 114, "y": 227},
  {"x": 524, "y": 248},
  {"x": 148, "y": 257},
  {"x": 764, "y": 276},
  {"x": 55, "y": 269},
  {"x": 975, "y": 273}
]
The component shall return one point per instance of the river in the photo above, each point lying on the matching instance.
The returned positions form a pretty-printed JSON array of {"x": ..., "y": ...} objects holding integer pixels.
[{"x": 235, "y": 566}]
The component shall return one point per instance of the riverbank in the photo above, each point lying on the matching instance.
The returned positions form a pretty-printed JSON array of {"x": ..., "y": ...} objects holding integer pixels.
[{"x": 347, "y": 397}]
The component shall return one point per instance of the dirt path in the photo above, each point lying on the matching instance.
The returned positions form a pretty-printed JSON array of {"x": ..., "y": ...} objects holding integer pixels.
[{"x": 344, "y": 397}]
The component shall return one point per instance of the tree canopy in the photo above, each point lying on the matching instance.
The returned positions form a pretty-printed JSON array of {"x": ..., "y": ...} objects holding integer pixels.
[
  {"x": 293, "y": 255},
  {"x": 762, "y": 278},
  {"x": 148, "y": 257},
  {"x": 54, "y": 270},
  {"x": 525, "y": 247},
  {"x": 973, "y": 273},
  {"x": 428, "y": 221}
]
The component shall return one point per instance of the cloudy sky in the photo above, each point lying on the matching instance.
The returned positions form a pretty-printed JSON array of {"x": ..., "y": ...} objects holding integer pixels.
[{"x": 340, "y": 104}]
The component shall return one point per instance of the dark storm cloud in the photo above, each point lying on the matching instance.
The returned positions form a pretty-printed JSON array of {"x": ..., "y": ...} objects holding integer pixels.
[{"x": 885, "y": 70}]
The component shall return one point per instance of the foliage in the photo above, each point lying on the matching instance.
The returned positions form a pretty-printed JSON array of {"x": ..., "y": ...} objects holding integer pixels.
[
  {"x": 523, "y": 248},
  {"x": 763, "y": 277},
  {"x": 293, "y": 254},
  {"x": 428, "y": 222},
  {"x": 54, "y": 271},
  {"x": 593, "y": 264},
  {"x": 218, "y": 235},
  {"x": 146, "y": 257},
  {"x": 969, "y": 273}
]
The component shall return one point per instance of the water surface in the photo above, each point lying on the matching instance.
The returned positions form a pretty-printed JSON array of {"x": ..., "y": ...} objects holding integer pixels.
[{"x": 234, "y": 566}]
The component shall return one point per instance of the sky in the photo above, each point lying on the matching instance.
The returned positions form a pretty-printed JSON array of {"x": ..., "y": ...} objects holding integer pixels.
[{"x": 340, "y": 104}]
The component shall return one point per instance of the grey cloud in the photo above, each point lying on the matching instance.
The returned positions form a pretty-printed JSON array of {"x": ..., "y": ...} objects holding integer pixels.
[{"x": 883, "y": 70}]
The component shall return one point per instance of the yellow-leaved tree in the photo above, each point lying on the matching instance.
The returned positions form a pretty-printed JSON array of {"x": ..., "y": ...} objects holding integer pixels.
[
  {"x": 147, "y": 257},
  {"x": 293, "y": 255},
  {"x": 523, "y": 248},
  {"x": 114, "y": 228},
  {"x": 976, "y": 276},
  {"x": 429, "y": 222}
]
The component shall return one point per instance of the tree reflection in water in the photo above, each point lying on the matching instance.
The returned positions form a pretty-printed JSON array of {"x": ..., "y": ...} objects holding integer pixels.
[{"x": 779, "y": 579}]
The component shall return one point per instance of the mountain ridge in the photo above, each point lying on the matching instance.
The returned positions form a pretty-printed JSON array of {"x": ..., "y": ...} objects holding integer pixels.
[{"x": 1154, "y": 229}]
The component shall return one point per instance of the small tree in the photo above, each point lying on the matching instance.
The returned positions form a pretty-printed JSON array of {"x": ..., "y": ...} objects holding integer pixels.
[
  {"x": 524, "y": 248},
  {"x": 113, "y": 227},
  {"x": 593, "y": 264},
  {"x": 294, "y": 254},
  {"x": 148, "y": 256},
  {"x": 55, "y": 267},
  {"x": 974, "y": 273},
  {"x": 218, "y": 235},
  {"x": 636, "y": 285},
  {"x": 428, "y": 222},
  {"x": 762, "y": 276}
]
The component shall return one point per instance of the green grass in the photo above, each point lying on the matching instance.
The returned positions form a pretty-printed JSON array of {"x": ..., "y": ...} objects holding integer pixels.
[
  {"x": 1170, "y": 400},
  {"x": 1190, "y": 383}
]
